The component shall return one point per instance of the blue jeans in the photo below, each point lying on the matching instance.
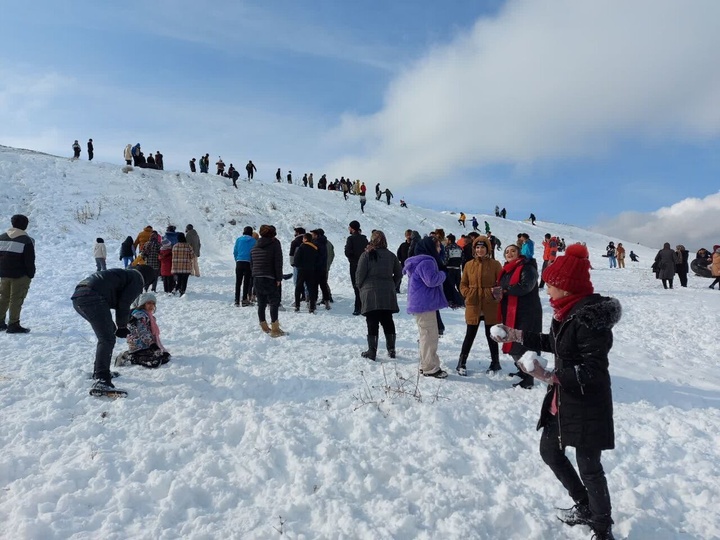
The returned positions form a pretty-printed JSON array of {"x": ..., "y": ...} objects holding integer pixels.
[
  {"x": 613, "y": 262},
  {"x": 94, "y": 309},
  {"x": 127, "y": 261}
]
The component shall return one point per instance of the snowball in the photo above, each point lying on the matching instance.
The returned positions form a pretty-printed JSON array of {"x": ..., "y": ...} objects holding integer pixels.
[
  {"x": 528, "y": 360},
  {"x": 498, "y": 332}
]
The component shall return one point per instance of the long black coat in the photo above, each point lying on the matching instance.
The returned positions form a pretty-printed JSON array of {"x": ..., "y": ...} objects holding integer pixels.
[
  {"x": 378, "y": 276},
  {"x": 354, "y": 248},
  {"x": 681, "y": 261},
  {"x": 581, "y": 344},
  {"x": 528, "y": 314}
]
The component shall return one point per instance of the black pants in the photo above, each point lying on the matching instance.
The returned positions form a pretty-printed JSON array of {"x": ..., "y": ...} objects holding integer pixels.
[
  {"x": 355, "y": 289},
  {"x": 590, "y": 485},
  {"x": 322, "y": 281},
  {"x": 243, "y": 279},
  {"x": 362, "y": 207},
  {"x": 306, "y": 278},
  {"x": 268, "y": 293},
  {"x": 181, "y": 281},
  {"x": 471, "y": 332},
  {"x": 94, "y": 309},
  {"x": 168, "y": 283},
  {"x": 717, "y": 280},
  {"x": 665, "y": 283},
  {"x": 153, "y": 285},
  {"x": 451, "y": 287},
  {"x": 440, "y": 323},
  {"x": 379, "y": 317},
  {"x": 544, "y": 266},
  {"x": 683, "y": 278}
]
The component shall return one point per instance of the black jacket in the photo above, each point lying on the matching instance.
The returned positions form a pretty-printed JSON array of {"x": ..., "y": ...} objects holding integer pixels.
[
  {"x": 528, "y": 313},
  {"x": 403, "y": 252},
  {"x": 681, "y": 261},
  {"x": 266, "y": 259},
  {"x": 296, "y": 242},
  {"x": 126, "y": 248},
  {"x": 307, "y": 259},
  {"x": 581, "y": 344},
  {"x": 118, "y": 287},
  {"x": 354, "y": 247},
  {"x": 17, "y": 254}
]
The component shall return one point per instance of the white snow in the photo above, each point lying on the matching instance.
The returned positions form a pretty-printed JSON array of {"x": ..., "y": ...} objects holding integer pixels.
[
  {"x": 528, "y": 360},
  {"x": 498, "y": 331},
  {"x": 244, "y": 436}
]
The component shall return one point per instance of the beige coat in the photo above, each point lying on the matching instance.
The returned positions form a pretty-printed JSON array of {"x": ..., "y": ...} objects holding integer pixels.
[
  {"x": 478, "y": 279},
  {"x": 715, "y": 266}
]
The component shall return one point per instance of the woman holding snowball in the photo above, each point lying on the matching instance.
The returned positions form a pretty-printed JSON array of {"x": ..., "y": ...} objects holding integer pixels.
[
  {"x": 519, "y": 305},
  {"x": 577, "y": 410}
]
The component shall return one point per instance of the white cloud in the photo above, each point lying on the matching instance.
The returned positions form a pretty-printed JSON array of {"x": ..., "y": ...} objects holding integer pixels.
[
  {"x": 692, "y": 222},
  {"x": 545, "y": 79}
]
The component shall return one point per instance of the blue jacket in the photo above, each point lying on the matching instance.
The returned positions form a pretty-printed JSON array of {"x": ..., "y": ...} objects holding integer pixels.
[
  {"x": 528, "y": 249},
  {"x": 243, "y": 245}
]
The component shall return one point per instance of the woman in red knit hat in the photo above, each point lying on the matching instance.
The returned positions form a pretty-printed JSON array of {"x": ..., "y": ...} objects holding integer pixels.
[{"x": 577, "y": 410}]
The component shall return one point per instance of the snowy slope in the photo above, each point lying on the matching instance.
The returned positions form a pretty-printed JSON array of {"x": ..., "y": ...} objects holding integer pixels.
[{"x": 243, "y": 436}]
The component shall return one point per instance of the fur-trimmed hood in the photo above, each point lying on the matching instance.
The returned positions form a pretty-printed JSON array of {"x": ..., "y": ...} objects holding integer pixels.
[{"x": 598, "y": 312}]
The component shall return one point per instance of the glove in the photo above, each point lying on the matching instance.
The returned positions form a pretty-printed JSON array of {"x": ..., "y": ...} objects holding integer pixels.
[
  {"x": 122, "y": 332},
  {"x": 505, "y": 334}
]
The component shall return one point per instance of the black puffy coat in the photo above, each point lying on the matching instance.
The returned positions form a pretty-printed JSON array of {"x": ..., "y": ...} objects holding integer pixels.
[
  {"x": 581, "y": 344},
  {"x": 528, "y": 314},
  {"x": 354, "y": 248},
  {"x": 266, "y": 259}
]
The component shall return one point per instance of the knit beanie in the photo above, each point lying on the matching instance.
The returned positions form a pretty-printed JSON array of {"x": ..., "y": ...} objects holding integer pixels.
[
  {"x": 571, "y": 272},
  {"x": 19, "y": 221},
  {"x": 144, "y": 298}
]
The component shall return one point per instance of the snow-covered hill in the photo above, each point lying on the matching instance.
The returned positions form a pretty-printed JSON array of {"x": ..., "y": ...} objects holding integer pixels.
[{"x": 243, "y": 436}]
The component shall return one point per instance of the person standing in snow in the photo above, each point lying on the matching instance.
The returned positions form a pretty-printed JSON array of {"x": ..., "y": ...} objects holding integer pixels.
[
  {"x": 610, "y": 254},
  {"x": 532, "y": 218},
  {"x": 159, "y": 161},
  {"x": 278, "y": 175},
  {"x": 363, "y": 201},
  {"x": 17, "y": 270},
  {"x": 266, "y": 261},
  {"x": 424, "y": 298},
  {"x": 194, "y": 240},
  {"x": 326, "y": 253},
  {"x": 135, "y": 152},
  {"x": 165, "y": 260},
  {"x": 127, "y": 154},
  {"x": 503, "y": 213},
  {"x": 519, "y": 306},
  {"x": 243, "y": 270},
  {"x": 377, "y": 277},
  {"x": 664, "y": 266},
  {"x": 714, "y": 266},
  {"x": 150, "y": 251},
  {"x": 550, "y": 249},
  {"x": 578, "y": 408},
  {"x": 307, "y": 262},
  {"x": 251, "y": 169},
  {"x": 310, "y": 180},
  {"x": 192, "y": 165},
  {"x": 461, "y": 219},
  {"x": 479, "y": 278},
  {"x": 289, "y": 177},
  {"x": 681, "y": 264},
  {"x": 388, "y": 196},
  {"x": 475, "y": 224},
  {"x": 91, "y": 150},
  {"x": 220, "y": 167},
  {"x": 354, "y": 248},
  {"x": 183, "y": 258},
  {"x": 527, "y": 248},
  {"x": 100, "y": 254},
  {"x": 76, "y": 149},
  {"x": 620, "y": 255},
  {"x": 127, "y": 251},
  {"x": 93, "y": 299}
]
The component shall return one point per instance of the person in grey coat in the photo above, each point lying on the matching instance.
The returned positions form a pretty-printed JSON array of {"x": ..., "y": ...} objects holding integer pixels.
[
  {"x": 664, "y": 265},
  {"x": 377, "y": 277},
  {"x": 192, "y": 238}
]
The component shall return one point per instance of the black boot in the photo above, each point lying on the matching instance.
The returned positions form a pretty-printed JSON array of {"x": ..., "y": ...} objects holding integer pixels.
[
  {"x": 372, "y": 348},
  {"x": 494, "y": 366},
  {"x": 390, "y": 341},
  {"x": 526, "y": 381},
  {"x": 15, "y": 328},
  {"x": 461, "y": 369}
]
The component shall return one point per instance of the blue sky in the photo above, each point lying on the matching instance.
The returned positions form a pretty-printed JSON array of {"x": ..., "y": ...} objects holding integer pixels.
[{"x": 602, "y": 114}]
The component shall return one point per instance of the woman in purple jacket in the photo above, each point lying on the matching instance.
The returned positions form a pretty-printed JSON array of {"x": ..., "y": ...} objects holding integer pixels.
[{"x": 425, "y": 296}]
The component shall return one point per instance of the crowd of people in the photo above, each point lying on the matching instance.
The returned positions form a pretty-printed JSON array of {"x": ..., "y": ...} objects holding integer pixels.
[{"x": 441, "y": 271}]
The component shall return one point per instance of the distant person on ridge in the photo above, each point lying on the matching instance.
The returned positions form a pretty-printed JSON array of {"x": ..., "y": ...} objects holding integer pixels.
[
  {"x": 127, "y": 154},
  {"x": 475, "y": 224},
  {"x": 91, "y": 150},
  {"x": 388, "y": 196},
  {"x": 76, "y": 149},
  {"x": 278, "y": 175},
  {"x": 192, "y": 165},
  {"x": 250, "y": 168},
  {"x": 461, "y": 219}
]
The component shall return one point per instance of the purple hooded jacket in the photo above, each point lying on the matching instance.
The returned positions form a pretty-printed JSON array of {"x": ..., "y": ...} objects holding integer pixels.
[{"x": 425, "y": 291}]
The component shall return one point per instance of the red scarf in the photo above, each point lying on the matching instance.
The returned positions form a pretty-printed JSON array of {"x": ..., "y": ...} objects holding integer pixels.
[
  {"x": 562, "y": 306},
  {"x": 515, "y": 269}
]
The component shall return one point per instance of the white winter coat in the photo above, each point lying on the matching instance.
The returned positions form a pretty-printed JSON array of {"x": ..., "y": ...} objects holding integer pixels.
[{"x": 100, "y": 251}]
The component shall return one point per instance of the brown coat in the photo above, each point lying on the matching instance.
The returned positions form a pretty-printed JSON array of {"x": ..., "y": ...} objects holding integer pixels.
[
  {"x": 182, "y": 258},
  {"x": 478, "y": 278},
  {"x": 715, "y": 266}
]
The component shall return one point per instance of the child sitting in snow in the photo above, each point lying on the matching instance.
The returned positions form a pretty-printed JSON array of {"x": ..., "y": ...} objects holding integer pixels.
[{"x": 144, "y": 345}]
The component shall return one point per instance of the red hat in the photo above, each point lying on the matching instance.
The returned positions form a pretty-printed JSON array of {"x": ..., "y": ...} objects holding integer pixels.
[{"x": 571, "y": 272}]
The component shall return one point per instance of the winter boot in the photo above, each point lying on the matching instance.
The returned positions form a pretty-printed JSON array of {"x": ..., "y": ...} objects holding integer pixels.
[
  {"x": 461, "y": 367},
  {"x": 494, "y": 366},
  {"x": 264, "y": 326},
  {"x": 276, "y": 331},
  {"x": 526, "y": 381},
  {"x": 371, "y": 353},
  {"x": 604, "y": 533},
  {"x": 577, "y": 515},
  {"x": 390, "y": 341},
  {"x": 15, "y": 328}
]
